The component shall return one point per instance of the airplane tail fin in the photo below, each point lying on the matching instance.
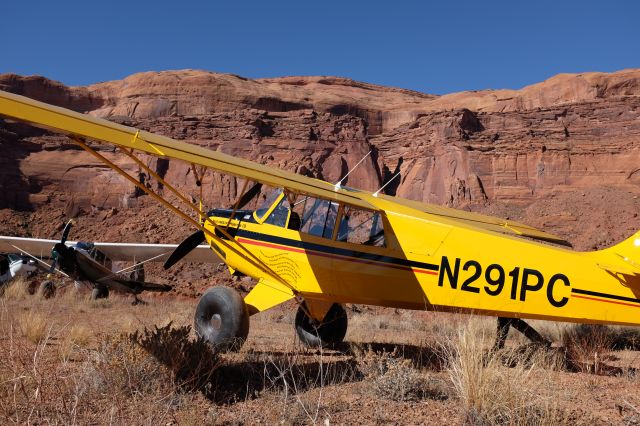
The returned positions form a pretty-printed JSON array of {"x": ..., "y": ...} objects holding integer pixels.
[{"x": 625, "y": 255}]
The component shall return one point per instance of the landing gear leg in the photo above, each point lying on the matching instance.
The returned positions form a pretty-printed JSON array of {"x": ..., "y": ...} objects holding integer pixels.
[{"x": 520, "y": 325}]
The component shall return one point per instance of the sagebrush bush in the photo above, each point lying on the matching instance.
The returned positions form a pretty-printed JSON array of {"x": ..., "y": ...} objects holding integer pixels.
[{"x": 393, "y": 377}]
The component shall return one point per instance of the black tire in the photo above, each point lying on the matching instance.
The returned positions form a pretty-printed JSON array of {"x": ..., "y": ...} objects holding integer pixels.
[
  {"x": 328, "y": 333},
  {"x": 99, "y": 292},
  {"x": 47, "y": 289},
  {"x": 222, "y": 318}
]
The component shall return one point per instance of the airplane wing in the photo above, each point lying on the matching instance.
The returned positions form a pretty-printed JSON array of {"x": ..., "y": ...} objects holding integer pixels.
[
  {"x": 84, "y": 126},
  {"x": 72, "y": 123},
  {"x": 480, "y": 221},
  {"x": 115, "y": 251},
  {"x": 140, "y": 252}
]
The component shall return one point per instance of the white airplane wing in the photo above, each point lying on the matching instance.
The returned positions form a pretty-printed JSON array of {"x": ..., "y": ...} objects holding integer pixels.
[{"x": 115, "y": 251}]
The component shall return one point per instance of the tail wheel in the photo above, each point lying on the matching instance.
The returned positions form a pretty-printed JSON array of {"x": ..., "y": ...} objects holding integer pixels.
[
  {"x": 326, "y": 333},
  {"x": 99, "y": 292},
  {"x": 222, "y": 318}
]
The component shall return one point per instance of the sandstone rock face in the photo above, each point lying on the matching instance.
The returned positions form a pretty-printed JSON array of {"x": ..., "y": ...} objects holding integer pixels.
[{"x": 543, "y": 154}]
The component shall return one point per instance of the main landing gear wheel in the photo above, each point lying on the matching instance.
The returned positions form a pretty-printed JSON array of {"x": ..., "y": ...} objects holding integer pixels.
[
  {"x": 326, "y": 333},
  {"x": 99, "y": 292},
  {"x": 222, "y": 318}
]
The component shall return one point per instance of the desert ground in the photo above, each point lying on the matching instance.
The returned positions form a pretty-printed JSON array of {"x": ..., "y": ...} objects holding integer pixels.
[{"x": 69, "y": 360}]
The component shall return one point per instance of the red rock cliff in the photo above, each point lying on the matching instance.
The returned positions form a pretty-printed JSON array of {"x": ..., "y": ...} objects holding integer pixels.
[{"x": 563, "y": 154}]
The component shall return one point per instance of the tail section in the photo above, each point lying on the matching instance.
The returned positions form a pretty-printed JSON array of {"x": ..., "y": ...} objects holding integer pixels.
[{"x": 623, "y": 258}]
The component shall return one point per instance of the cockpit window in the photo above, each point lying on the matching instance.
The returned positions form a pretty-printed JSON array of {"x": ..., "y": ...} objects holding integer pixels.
[
  {"x": 319, "y": 218},
  {"x": 280, "y": 213},
  {"x": 267, "y": 203},
  {"x": 361, "y": 227}
]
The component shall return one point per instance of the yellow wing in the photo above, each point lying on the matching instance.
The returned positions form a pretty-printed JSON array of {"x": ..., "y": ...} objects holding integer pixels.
[
  {"x": 480, "y": 221},
  {"x": 84, "y": 126},
  {"x": 72, "y": 123}
]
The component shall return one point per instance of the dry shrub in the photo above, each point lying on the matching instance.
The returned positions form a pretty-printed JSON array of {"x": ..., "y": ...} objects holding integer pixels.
[
  {"x": 162, "y": 360},
  {"x": 193, "y": 362},
  {"x": 122, "y": 368},
  {"x": 587, "y": 345},
  {"x": 393, "y": 377},
  {"x": 15, "y": 289},
  {"x": 492, "y": 393},
  {"x": 625, "y": 338},
  {"x": 33, "y": 326}
]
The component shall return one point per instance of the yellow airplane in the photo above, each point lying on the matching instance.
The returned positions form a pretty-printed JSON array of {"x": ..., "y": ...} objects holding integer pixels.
[{"x": 324, "y": 245}]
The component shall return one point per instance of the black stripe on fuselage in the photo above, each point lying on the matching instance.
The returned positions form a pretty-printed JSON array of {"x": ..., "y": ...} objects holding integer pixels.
[
  {"x": 605, "y": 295},
  {"x": 334, "y": 250}
]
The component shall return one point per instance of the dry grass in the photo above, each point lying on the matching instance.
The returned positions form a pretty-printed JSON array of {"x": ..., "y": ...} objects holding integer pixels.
[
  {"x": 76, "y": 337},
  {"x": 90, "y": 373},
  {"x": 491, "y": 393},
  {"x": 34, "y": 326},
  {"x": 15, "y": 289},
  {"x": 120, "y": 381}
]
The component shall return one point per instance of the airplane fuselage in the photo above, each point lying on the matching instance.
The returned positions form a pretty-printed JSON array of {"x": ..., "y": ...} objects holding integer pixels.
[
  {"x": 13, "y": 265},
  {"x": 430, "y": 264}
]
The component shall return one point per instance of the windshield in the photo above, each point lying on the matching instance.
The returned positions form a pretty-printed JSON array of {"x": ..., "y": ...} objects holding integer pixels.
[{"x": 267, "y": 203}]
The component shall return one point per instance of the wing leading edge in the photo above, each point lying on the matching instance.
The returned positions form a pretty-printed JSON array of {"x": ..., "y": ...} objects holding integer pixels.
[{"x": 115, "y": 251}]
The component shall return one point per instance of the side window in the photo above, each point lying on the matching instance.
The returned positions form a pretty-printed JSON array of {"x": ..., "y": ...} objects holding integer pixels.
[
  {"x": 280, "y": 214},
  {"x": 319, "y": 217},
  {"x": 361, "y": 227},
  {"x": 267, "y": 203}
]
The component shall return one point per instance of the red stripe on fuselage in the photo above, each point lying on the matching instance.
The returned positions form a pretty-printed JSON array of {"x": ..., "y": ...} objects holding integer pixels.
[
  {"x": 607, "y": 301},
  {"x": 332, "y": 256}
]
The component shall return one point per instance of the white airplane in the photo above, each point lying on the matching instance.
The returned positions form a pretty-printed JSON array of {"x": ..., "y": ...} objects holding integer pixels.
[
  {"x": 92, "y": 263},
  {"x": 13, "y": 265}
]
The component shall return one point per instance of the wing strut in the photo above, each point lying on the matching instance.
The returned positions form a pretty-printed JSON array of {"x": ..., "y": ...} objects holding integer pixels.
[{"x": 244, "y": 253}]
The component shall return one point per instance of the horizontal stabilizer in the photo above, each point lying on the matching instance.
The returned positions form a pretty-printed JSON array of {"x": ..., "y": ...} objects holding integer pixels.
[
  {"x": 623, "y": 258},
  {"x": 616, "y": 269}
]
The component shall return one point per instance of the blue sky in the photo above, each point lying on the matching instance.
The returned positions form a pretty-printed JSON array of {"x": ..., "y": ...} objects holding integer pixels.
[{"x": 433, "y": 47}]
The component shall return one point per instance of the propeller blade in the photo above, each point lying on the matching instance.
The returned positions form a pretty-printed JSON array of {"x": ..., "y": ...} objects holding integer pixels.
[
  {"x": 65, "y": 232},
  {"x": 248, "y": 196},
  {"x": 192, "y": 241}
]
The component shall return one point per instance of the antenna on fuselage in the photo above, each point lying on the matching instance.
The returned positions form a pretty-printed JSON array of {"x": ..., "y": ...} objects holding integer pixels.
[
  {"x": 339, "y": 184},
  {"x": 375, "y": 194}
]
